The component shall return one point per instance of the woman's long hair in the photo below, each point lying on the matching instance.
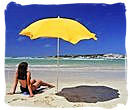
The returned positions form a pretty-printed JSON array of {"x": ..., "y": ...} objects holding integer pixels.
[{"x": 22, "y": 70}]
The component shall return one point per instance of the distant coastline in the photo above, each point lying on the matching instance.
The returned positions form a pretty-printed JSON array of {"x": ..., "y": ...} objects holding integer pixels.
[
  {"x": 110, "y": 55},
  {"x": 88, "y": 56}
]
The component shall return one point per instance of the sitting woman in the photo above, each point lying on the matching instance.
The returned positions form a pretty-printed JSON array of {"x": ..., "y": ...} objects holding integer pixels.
[{"x": 23, "y": 76}]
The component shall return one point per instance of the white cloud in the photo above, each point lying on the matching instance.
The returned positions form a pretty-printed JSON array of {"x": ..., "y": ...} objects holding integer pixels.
[
  {"x": 47, "y": 45},
  {"x": 21, "y": 39}
]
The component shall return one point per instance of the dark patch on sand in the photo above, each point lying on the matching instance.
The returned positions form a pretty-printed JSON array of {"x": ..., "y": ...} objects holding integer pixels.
[{"x": 89, "y": 94}]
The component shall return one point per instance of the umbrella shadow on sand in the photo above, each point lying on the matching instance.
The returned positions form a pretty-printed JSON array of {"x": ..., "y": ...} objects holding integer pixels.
[{"x": 89, "y": 94}]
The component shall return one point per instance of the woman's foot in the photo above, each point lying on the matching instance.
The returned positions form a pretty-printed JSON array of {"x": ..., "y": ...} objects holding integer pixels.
[{"x": 51, "y": 86}]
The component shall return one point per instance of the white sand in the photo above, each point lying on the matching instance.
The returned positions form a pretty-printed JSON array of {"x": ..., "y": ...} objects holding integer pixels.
[{"x": 69, "y": 77}]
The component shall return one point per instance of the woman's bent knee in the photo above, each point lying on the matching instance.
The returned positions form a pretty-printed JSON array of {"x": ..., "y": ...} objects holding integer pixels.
[
  {"x": 33, "y": 81},
  {"x": 39, "y": 81}
]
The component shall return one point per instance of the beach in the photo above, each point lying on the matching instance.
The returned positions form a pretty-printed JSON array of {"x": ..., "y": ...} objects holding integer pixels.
[{"x": 77, "y": 72}]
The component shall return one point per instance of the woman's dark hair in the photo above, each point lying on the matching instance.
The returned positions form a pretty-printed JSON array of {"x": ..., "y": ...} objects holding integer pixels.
[{"x": 22, "y": 70}]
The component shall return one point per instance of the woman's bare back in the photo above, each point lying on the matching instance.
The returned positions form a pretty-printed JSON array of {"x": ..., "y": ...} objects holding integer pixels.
[{"x": 23, "y": 83}]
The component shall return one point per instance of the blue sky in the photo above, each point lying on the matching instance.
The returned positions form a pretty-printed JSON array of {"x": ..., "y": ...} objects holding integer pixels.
[{"x": 108, "y": 22}]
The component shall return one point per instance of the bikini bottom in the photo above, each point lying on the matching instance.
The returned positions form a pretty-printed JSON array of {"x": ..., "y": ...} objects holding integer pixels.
[{"x": 24, "y": 89}]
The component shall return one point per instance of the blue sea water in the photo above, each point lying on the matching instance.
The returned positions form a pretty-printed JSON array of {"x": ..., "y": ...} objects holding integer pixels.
[
  {"x": 65, "y": 61},
  {"x": 83, "y": 68}
]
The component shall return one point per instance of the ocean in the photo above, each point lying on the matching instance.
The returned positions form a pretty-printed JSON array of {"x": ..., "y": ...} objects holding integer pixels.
[
  {"x": 79, "y": 68},
  {"x": 9, "y": 61}
]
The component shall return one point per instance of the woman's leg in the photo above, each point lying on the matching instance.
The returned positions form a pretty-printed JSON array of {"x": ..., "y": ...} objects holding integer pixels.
[
  {"x": 32, "y": 81},
  {"x": 39, "y": 83},
  {"x": 46, "y": 84}
]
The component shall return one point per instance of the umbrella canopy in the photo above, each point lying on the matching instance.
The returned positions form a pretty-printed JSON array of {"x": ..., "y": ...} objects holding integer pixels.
[{"x": 66, "y": 29}]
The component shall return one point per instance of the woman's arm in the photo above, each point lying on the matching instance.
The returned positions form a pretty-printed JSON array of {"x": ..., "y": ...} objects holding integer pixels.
[
  {"x": 29, "y": 84},
  {"x": 15, "y": 83}
]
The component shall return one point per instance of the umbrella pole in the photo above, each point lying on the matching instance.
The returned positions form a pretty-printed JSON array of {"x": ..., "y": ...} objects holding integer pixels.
[{"x": 58, "y": 65}]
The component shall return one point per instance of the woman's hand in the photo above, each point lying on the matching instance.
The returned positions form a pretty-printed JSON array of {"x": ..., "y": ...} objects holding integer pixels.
[
  {"x": 10, "y": 93},
  {"x": 31, "y": 95}
]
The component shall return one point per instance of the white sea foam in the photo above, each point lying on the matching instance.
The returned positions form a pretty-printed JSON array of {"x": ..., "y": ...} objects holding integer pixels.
[
  {"x": 25, "y": 58},
  {"x": 82, "y": 59}
]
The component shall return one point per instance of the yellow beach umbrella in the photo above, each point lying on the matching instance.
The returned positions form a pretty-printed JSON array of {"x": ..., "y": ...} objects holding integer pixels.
[{"x": 66, "y": 29}]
